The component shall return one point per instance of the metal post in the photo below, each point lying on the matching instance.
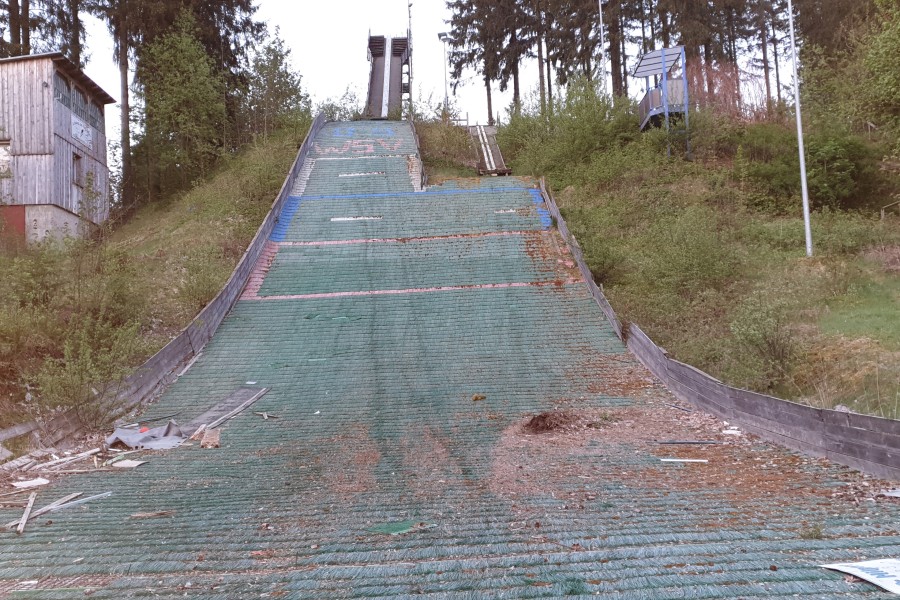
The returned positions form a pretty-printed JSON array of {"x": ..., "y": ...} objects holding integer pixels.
[
  {"x": 409, "y": 45},
  {"x": 687, "y": 107},
  {"x": 803, "y": 186},
  {"x": 444, "y": 37},
  {"x": 602, "y": 49}
]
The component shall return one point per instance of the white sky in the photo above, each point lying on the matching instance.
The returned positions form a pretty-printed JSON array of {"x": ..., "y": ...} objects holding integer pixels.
[{"x": 328, "y": 43}]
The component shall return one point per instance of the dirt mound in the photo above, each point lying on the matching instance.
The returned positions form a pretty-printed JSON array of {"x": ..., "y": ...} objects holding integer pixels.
[{"x": 550, "y": 421}]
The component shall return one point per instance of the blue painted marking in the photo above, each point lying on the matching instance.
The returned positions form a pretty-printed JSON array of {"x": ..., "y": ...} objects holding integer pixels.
[
  {"x": 290, "y": 208},
  {"x": 344, "y": 131},
  {"x": 543, "y": 213},
  {"x": 420, "y": 194},
  {"x": 382, "y": 131}
]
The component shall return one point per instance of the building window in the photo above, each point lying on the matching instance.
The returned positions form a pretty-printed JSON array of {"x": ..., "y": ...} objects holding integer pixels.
[
  {"x": 5, "y": 159},
  {"x": 80, "y": 106},
  {"x": 61, "y": 90},
  {"x": 96, "y": 117},
  {"x": 77, "y": 170}
]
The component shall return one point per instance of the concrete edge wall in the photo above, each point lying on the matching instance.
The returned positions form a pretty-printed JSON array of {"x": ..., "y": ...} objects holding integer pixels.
[
  {"x": 149, "y": 379},
  {"x": 869, "y": 444}
]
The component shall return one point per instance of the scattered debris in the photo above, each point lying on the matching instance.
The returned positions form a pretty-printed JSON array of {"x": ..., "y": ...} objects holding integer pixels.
[
  {"x": 24, "y": 485},
  {"x": 262, "y": 553},
  {"x": 128, "y": 464},
  {"x": 266, "y": 416},
  {"x": 152, "y": 515},
  {"x": 478, "y": 397},
  {"x": 159, "y": 438},
  {"x": 684, "y": 460},
  {"x": 732, "y": 431},
  {"x": 884, "y": 573},
  {"x": 678, "y": 407},
  {"x": 21, "y": 527},
  {"x": 211, "y": 438},
  {"x": 45, "y": 509},
  {"x": 198, "y": 435},
  {"x": 402, "y": 527},
  {"x": 895, "y": 493},
  {"x": 689, "y": 442}
]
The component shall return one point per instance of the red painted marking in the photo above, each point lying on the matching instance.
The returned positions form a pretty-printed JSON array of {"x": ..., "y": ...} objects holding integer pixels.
[
  {"x": 461, "y": 236},
  {"x": 453, "y": 288},
  {"x": 260, "y": 270}
]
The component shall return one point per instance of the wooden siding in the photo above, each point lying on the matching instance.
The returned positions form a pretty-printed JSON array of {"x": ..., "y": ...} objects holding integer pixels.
[
  {"x": 25, "y": 106},
  {"x": 40, "y": 129},
  {"x": 64, "y": 191}
]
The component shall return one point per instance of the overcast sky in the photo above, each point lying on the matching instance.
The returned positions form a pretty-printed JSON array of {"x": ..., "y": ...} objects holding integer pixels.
[{"x": 328, "y": 43}]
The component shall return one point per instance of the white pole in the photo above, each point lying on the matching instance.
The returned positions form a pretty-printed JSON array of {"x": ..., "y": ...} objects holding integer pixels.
[
  {"x": 803, "y": 185},
  {"x": 602, "y": 49}
]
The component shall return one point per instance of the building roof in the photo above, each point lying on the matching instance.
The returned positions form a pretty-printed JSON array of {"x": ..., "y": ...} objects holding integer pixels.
[
  {"x": 72, "y": 70},
  {"x": 652, "y": 62}
]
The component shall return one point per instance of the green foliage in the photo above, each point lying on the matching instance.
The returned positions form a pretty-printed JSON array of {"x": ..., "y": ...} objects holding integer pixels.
[
  {"x": 762, "y": 327},
  {"x": 274, "y": 96},
  {"x": 581, "y": 126},
  {"x": 95, "y": 357},
  {"x": 348, "y": 107},
  {"x": 881, "y": 54},
  {"x": 184, "y": 107},
  {"x": 686, "y": 253}
]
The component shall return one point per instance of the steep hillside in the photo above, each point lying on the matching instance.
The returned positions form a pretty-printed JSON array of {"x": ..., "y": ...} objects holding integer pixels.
[{"x": 91, "y": 310}]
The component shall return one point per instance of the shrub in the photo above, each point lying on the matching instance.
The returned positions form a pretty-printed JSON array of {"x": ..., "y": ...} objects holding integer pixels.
[{"x": 761, "y": 326}]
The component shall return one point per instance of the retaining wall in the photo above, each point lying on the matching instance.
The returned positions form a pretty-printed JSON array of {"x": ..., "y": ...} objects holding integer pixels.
[{"x": 870, "y": 444}]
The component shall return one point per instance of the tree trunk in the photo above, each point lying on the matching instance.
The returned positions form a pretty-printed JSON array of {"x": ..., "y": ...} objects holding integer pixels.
[
  {"x": 490, "y": 107},
  {"x": 517, "y": 96},
  {"x": 624, "y": 57},
  {"x": 540, "y": 59},
  {"x": 763, "y": 32},
  {"x": 25, "y": 23},
  {"x": 775, "y": 56},
  {"x": 127, "y": 175},
  {"x": 615, "y": 53},
  {"x": 75, "y": 32},
  {"x": 15, "y": 28},
  {"x": 549, "y": 86},
  {"x": 708, "y": 73}
]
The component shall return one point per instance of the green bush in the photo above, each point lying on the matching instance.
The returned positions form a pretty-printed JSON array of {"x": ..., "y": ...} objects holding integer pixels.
[
  {"x": 761, "y": 326},
  {"x": 686, "y": 253}
]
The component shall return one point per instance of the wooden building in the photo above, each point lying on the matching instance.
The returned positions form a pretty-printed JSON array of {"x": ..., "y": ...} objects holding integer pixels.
[{"x": 54, "y": 179}]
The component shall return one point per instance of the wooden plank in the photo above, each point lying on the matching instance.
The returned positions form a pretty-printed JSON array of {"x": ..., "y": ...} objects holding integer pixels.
[
  {"x": 21, "y": 527},
  {"x": 863, "y": 451},
  {"x": 868, "y": 436}
]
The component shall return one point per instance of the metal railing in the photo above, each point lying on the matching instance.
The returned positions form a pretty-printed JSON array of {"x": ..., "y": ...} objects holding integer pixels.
[{"x": 652, "y": 102}]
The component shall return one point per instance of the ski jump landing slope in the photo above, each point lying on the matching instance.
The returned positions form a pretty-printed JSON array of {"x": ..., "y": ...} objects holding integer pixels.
[{"x": 409, "y": 338}]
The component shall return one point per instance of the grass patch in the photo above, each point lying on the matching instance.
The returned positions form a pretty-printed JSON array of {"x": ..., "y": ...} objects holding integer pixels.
[{"x": 447, "y": 151}]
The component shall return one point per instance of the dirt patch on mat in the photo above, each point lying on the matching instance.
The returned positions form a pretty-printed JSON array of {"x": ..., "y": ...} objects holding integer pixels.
[
  {"x": 565, "y": 453},
  {"x": 348, "y": 462},
  {"x": 550, "y": 254},
  {"x": 429, "y": 464}
]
